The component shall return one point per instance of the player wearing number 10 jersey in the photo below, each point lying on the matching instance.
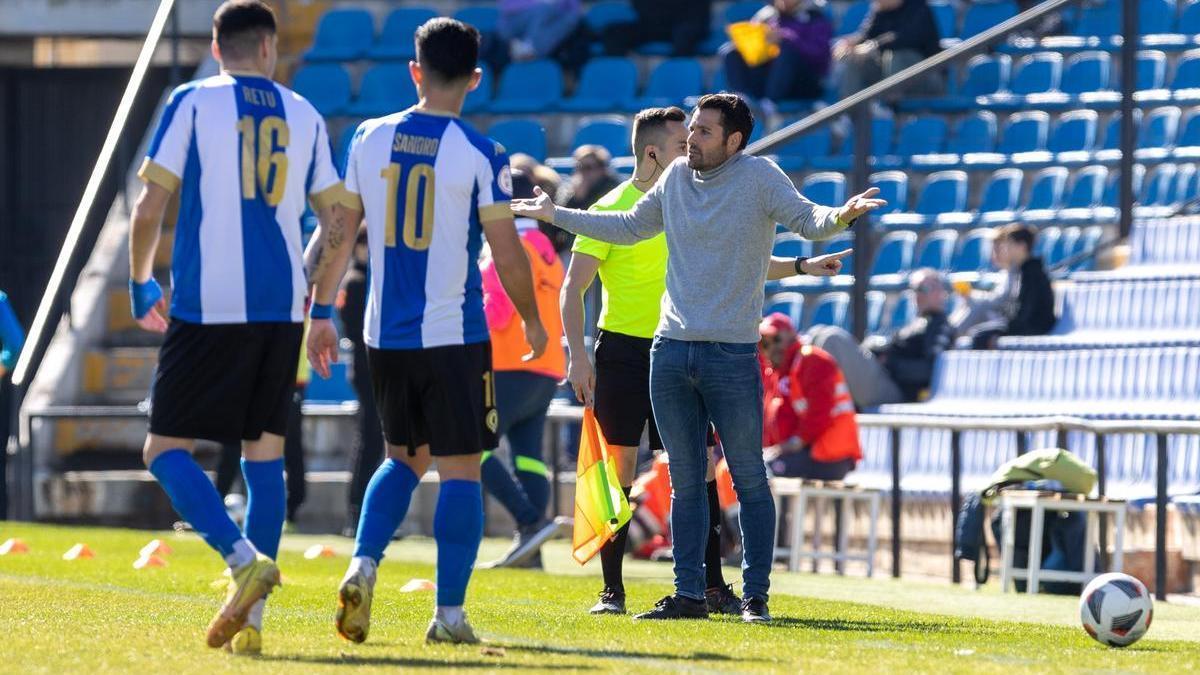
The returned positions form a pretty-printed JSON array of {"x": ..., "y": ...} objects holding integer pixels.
[
  {"x": 430, "y": 187},
  {"x": 243, "y": 153}
]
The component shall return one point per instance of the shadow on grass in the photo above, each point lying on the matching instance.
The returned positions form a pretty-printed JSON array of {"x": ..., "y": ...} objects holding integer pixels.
[
  {"x": 496, "y": 663},
  {"x": 618, "y": 654},
  {"x": 857, "y": 626}
]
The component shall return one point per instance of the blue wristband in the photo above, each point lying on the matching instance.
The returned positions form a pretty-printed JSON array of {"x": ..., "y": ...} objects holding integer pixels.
[
  {"x": 143, "y": 297},
  {"x": 319, "y": 311}
]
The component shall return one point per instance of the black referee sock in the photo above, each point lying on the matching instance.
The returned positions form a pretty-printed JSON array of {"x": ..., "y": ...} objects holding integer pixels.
[
  {"x": 712, "y": 552},
  {"x": 612, "y": 555}
]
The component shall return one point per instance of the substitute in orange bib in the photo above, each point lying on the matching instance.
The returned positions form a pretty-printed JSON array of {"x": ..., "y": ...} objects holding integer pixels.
[{"x": 809, "y": 430}]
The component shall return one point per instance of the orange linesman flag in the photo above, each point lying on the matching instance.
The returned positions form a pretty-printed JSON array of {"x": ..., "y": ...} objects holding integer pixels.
[{"x": 600, "y": 505}]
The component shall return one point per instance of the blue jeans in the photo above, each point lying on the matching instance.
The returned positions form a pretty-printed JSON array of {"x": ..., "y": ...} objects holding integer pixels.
[{"x": 691, "y": 383}]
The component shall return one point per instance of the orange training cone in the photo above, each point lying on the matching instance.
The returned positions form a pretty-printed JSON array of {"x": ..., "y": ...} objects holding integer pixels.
[
  {"x": 14, "y": 546},
  {"x": 319, "y": 551},
  {"x": 156, "y": 547},
  {"x": 149, "y": 561},
  {"x": 79, "y": 552}
]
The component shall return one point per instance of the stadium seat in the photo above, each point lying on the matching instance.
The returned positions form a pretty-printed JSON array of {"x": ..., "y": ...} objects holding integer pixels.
[
  {"x": 670, "y": 83},
  {"x": 946, "y": 18},
  {"x": 1156, "y": 135},
  {"x": 1087, "y": 72},
  {"x": 981, "y": 16},
  {"x": 1084, "y": 195},
  {"x": 1043, "y": 246},
  {"x": 787, "y": 303},
  {"x": 395, "y": 41},
  {"x": 998, "y": 205},
  {"x": 853, "y": 17},
  {"x": 944, "y": 191},
  {"x": 920, "y": 135},
  {"x": 984, "y": 75},
  {"x": 937, "y": 250},
  {"x": 792, "y": 246},
  {"x": 893, "y": 260},
  {"x": 794, "y": 155},
  {"x": 828, "y": 188},
  {"x": 1186, "y": 185},
  {"x": 1151, "y": 77},
  {"x": 1099, "y": 19},
  {"x": 1186, "y": 81},
  {"x": 1037, "y": 73},
  {"x": 604, "y": 84},
  {"x": 481, "y": 97},
  {"x": 882, "y": 129},
  {"x": 520, "y": 135},
  {"x": 1025, "y": 132},
  {"x": 611, "y": 131},
  {"x": 1188, "y": 144},
  {"x": 742, "y": 10},
  {"x": 342, "y": 35},
  {"x": 1189, "y": 18},
  {"x": 482, "y": 17},
  {"x": 1157, "y": 17},
  {"x": 1087, "y": 242},
  {"x": 974, "y": 251},
  {"x": 1154, "y": 199},
  {"x": 1073, "y": 139},
  {"x": 385, "y": 89},
  {"x": 1110, "y": 152},
  {"x": 829, "y": 310},
  {"x": 893, "y": 187},
  {"x": 325, "y": 85},
  {"x": 602, "y": 14},
  {"x": 903, "y": 311},
  {"x": 529, "y": 87},
  {"x": 1045, "y": 195},
  {"x": 342, "y": 148},
  {"x": 974, "y": 133}
]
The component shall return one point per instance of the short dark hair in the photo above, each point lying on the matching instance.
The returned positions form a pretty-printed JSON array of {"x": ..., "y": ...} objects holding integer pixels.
[
  {"x": 240, "y": 25},
  {"x": 735, "y": 114},
  {"x": 447, "y": 49},
  {"x": 649, "y": 125},
  {"x": 1019, "y": 234}
]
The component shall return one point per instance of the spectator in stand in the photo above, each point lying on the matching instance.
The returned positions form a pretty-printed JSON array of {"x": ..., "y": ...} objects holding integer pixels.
[
  {"x": 895, "y": 35},
  {"x": 809, "y": 429},
  {"x": 523, "y": 391},
  {"x": 368, "y": 446},
  {"x": 592, "y": 179},
  {"x": 1022, "y": 303},
  {"x": 534, "y": 29},
  {"x": 802, "y": 31},
  {"x": 683, "y": 23},
  {"x": 12, "y": 338},
  {"x": 901, "y": 369}
]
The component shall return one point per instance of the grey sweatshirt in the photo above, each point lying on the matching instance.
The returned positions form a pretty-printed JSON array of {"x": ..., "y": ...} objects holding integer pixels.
[{"x": 720, "y": 227}]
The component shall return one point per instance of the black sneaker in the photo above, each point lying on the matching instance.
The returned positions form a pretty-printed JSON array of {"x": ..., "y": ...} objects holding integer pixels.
[
  {"x": 612, "y": 601},
  {"x": 754, "y": 610},
  {"x": 722, "y": 600},
  {"x": 676, "y": 607}
]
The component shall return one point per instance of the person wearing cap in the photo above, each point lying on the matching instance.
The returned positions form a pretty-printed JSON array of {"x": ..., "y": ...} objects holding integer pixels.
[{"x": 809, "y": 429}]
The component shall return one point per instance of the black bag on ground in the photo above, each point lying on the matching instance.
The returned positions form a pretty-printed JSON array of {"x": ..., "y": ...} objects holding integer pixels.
[{"x": 1064, "y": 535}]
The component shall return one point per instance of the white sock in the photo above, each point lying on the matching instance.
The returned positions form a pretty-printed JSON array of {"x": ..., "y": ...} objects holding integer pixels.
[
  {"x": 451, "y": 616},
  {"x": 243, "y": 554},
  {"x": 255, "y": 618},
  {"x": 364, "y": 564}
]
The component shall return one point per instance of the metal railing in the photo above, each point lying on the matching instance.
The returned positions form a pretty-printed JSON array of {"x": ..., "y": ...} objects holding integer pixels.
[{"x": 858, "y": 106}]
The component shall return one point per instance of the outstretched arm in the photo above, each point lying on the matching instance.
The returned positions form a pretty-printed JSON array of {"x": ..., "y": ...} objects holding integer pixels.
[{"x": 643, "y": 221}]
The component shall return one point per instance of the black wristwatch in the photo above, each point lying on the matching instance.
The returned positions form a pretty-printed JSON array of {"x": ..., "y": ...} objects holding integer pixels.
[{"x": 799, "y": 264}]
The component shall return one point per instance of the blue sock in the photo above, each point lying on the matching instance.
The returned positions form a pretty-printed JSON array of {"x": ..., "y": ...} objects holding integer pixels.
[
  {"x": 196, "y": 499},
  {"x": 384, "y": 507},
  {"x": 458, "y": 529},
  {"x": 499, "y": 482},
  {"x": 266, "y": 501}
]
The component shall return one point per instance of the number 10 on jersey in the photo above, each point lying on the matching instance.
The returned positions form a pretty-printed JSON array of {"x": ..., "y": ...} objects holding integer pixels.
[{"x": 417, "y": 231}]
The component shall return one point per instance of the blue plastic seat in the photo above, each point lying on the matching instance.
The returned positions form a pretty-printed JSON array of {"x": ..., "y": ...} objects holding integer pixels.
[
  {"x": 670, "y": 83},
  {"x": 1156, "y": 135},
  {"x": 787, "y": 303},
  {"x": 1100, "y": 19},
  {"x": 1156, "y": 17},
  {"x": 893, "y": 187},
  {"x": 611, "y": 132},
  {"x": 1186, "y": 81},
  {"x": 605, "y": 13},
  {"x": 1110, "y": 153},
  {"x": 529, "y": 87},
  {"x": 943, "y": 192},
  {"x": 974, "y": 251},
  {"x": 1047, "y": 237},
  {"x": 937, "y": 250},
  {"x": 981, "y": 16},
  {"x": 945, "y": 17},
  {"x": 1001, "y": 197},
  {"x": 604, "y": 84},
  {"x": 743, "y": 10},
  {"x": 975, "y": 133},
  {"x": 903, "y": 311},
  {"x": 792, "y": 246},
  {"x": 396, "y": 39},
  {"x": 1189, "y": 18},
  {"x": 893, "y": 260},
  {"x": 853, "y": 17},
  {"x": 794, "y": 155},
  {"x": 830, "y": 310},
  {"x": 1188, "y": 143},
  {"x": 1074, "y": 137},
  {"x": 1037, "y": 73},
  {"x": 519, "y": 135},
  {"x": 342, "y": 149},
  {"x": 984, "y": 75},
  {"x": 827, "y": 188},
  {"x": 483, "y": 17},
  {"x": 325, "y": 85},
  {"x": 1045, "y": 195},
  {"x": 1087, "y": 72},
  {"x": 922, "y": 135},
  {"x": 342, "y": 35},
  {"x": 385, "y": 89},
  {"x": 1025, "y": 132},
  {"x": 481, "y": 97},
  {"x": 1086, "y": 243},
  {"x": 1084, "y": 194},
  {"x": 882, "y": 129},
  {"x": 1151, "y": 70}
]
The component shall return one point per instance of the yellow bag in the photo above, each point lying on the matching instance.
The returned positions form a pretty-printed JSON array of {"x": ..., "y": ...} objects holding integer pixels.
[{"x": 750, "y": 40}]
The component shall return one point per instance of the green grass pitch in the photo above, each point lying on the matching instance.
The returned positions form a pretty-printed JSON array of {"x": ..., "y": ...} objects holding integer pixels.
[{"x": 101, "y": 615}]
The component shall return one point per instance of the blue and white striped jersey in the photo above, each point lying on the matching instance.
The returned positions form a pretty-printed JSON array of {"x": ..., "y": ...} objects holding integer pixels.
[
  {"x": 244, "y": 153},
  {"x": 426, "y": 183}
]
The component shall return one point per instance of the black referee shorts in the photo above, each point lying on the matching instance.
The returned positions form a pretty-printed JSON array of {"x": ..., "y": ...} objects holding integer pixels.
[
  {"x": 225, "y": 382},
  {"x": 622, "y": 396},
  {"x": 442, "y": 396}
]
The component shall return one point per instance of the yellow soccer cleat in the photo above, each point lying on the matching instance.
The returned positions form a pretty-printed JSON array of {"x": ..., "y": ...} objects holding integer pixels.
[
  {"x": 247, "y": 642},
  {"x": 353, "y": 619},
  {"x": 246, "y": 587}
]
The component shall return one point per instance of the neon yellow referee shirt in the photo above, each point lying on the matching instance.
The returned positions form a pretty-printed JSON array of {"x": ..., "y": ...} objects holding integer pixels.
[{"x": 633, "y": 277}]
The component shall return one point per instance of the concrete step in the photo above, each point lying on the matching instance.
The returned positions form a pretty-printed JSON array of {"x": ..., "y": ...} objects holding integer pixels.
[
  {"x": 119, "y": 375},
  {"x": 122, "y": 330}
]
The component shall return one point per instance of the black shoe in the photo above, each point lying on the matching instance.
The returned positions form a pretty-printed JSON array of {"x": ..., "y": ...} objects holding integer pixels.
[
  {"x": 612, "y": 601},
  {"x": 676, "y": 607},
  {"x": 722, "y": 600},
  {"x": 754, "y": 610}
]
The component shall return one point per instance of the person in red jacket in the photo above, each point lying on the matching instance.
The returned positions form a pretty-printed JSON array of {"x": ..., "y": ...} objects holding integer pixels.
[{"x": 809, "y": 429}]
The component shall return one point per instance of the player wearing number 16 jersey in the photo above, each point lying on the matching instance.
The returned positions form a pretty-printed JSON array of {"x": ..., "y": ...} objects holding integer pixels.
[
  {"x": 244, "y": 154},
  {"x": 430, "y": 187}
]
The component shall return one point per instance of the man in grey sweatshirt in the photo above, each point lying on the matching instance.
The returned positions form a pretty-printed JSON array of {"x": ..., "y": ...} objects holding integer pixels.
[{"x": 719, "y": 211}]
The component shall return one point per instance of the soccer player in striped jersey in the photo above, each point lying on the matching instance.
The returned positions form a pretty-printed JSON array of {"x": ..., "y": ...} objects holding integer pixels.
[
  {"x": 430, "y": 187},
  {"x": 244, "y": 154}
]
